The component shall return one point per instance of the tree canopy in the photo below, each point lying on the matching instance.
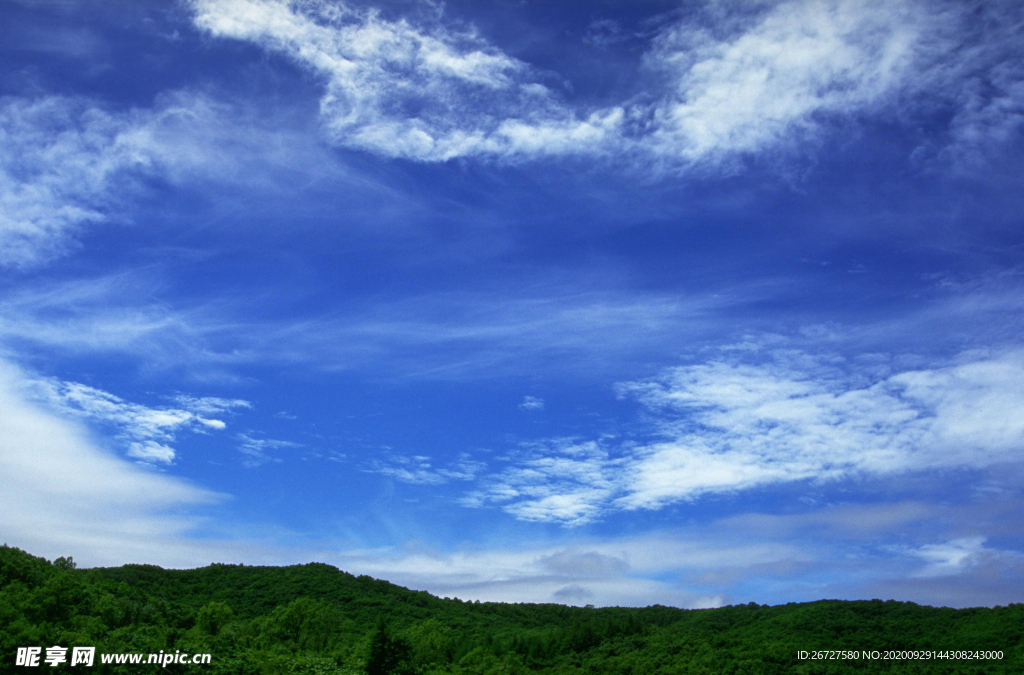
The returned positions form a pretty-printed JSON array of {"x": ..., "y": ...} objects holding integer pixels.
[{"x": 316, "y": 619}]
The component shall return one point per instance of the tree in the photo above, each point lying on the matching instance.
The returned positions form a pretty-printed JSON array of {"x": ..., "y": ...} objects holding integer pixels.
[
  {"x": 65, "y": 563},
  {"x": 431, "y": 643},
  {"x": 389, "y": 654},
  {"x": 213, "y": 617}
]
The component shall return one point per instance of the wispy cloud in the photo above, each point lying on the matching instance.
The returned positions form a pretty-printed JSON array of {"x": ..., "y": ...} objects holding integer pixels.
[
  {"x": 848, "y": 521},
  {"x": 466, "y": 335},
  {"x": 615, "y": 571},
  {"x": 209, "y": 405},
  {"x": 460, "y": 335},
  {"x": 413, "y": 89},
  {"x": 532, "y": 403},
  {"x": 564, "y": 481},
  {"x": 989, "y": 89},
  {"x": 256, "y": 451},
  {"x": 117, "y": 314},
  {"x": 847, "y": 550},
  {"x": 741, "y": 83},
  {"x": 63, "y": 494},
  {"x": 443, "y": 335},
  {"x": 725, "y": 82},
  {"x": 67, "y": 163},
  {"x": 949, "y": 558},
  {"x": 738, "y": 422},
  {"x": 423, "y": 470},
  {"x": 58, "y": 160},
  {"x": 146, "y": 430}
]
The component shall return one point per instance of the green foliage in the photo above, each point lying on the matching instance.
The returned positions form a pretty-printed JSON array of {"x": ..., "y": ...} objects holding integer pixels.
[
  {"x": 65, "y": 563},
  {"x": 213, "y": 617},
  {"x": 432, "y": 643},
  {"x": 317, "y": 620},
  {"x": 388, "y": 654}
]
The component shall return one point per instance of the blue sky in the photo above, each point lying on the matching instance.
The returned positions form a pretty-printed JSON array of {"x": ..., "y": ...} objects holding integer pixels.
[{"x": 613, "y": 303}]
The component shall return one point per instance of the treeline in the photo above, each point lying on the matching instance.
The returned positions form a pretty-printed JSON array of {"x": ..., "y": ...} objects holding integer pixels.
[{"x": 315, "y": 619}]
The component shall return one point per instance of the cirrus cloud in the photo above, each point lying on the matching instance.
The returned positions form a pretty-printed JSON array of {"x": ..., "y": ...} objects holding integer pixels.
[
  {"x": 724, "y": 83},
  {"x": 778, "y": 417},
  {"x": 146, "y": 430}
]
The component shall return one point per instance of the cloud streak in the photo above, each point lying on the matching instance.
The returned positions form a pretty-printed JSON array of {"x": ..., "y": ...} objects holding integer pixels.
[
  {"x": 441, "y": 335},
  {"x": 728, "y": 82},
  {"x": 735, "y": 424},
  {"x": 780, "y": 71},
  {"x": 70, "y": 163},
  {"x": 66, "y": 163},
  {"x": 395, "y": 88},
  {"x": 562, "y": 481},
  {"x": 838, "y": 551},
  {"x": 422, "y": 470},
  {"x": 146, "y": 431},
  {"x": 532, "y": 403},
  {"x": 256, "y": 451},
  {"x": 58, "y": 162},
  {"x": 62, "y": 494}
]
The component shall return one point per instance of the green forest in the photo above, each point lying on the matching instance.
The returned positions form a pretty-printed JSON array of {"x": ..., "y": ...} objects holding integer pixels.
[{"x": 316, "y": 619}]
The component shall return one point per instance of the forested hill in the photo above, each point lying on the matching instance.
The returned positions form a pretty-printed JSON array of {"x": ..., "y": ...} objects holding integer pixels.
[{"x": 316, "y": 619}]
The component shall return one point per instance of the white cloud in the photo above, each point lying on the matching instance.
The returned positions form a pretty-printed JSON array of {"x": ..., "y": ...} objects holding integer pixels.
[
  {"x": 583, "y": 564},
  {"x": 63, "y": 495},
  {"x": 564, "y": 481},
  {"x": 727, "y": 81},
  {"x": 256, "y": 450},
  {"x": 532, "y": 403},
  {"x": 627, "y": 570},
  {"x": 457, "y": 335},
  {"x": 145, "y": 430},
  {"x": 733, "y": 424},
  {"x": 444, "y": 335},
  {"x": 426, "y": 92},
  {"x": 70, "y": 162},
  {"x": 151, "y": 451},
  {"x": 724, "y": 83},
  {"x": 779, "y": 74},
  {"x": 422, "y": 470},
  {"x": 57, "y": 161},
  {"x": 989, "y": 71},
  {"x": 738, "y": 84},
  {"x": 948, "y": 558},
  {"x": 210, "y": 405}
]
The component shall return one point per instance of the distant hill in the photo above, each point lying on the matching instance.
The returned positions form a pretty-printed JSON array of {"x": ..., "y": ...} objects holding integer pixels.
[{"x": 316, "y": 619}]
